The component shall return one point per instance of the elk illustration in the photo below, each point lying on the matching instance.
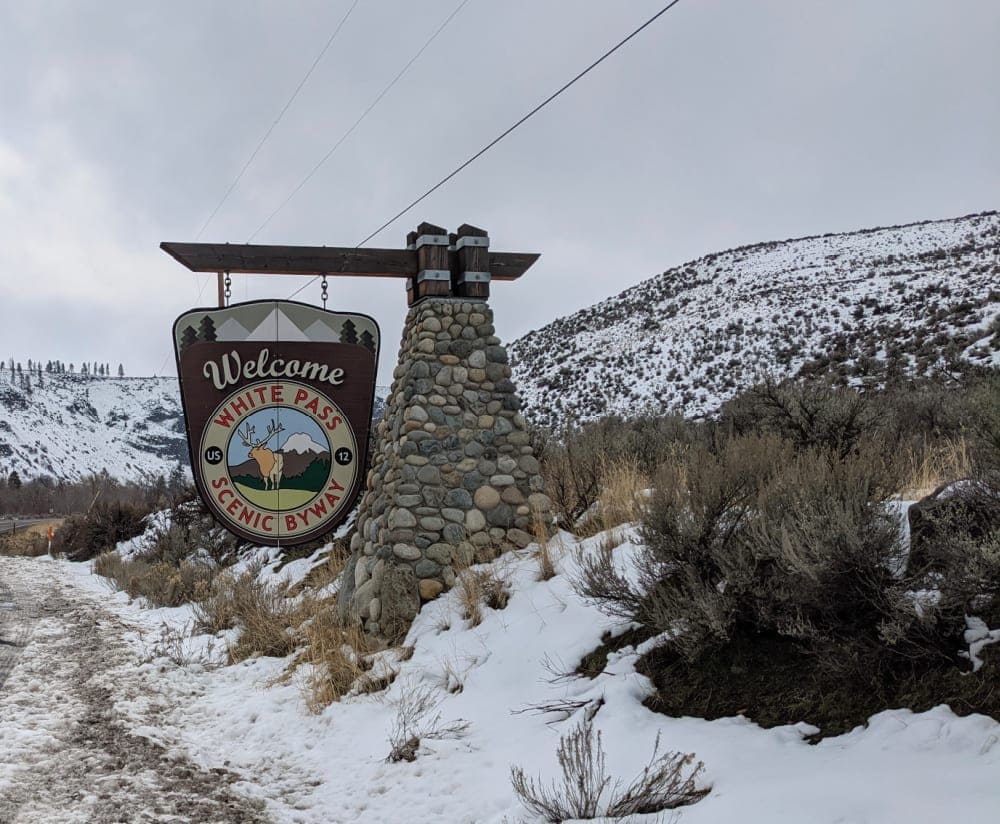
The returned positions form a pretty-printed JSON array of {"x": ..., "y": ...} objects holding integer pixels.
[{"x": 271, "y": 464}]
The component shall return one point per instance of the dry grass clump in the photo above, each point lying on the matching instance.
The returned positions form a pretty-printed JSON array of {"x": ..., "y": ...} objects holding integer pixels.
[
  {"x": 623, "y": 496},
  {"x": 162, "y": 584},
  {"x": 267, "y": 619},
  {"x": 543, "y": 552},
  {"x": 667, "y": 782},
  {"x": 25, "y": 544},
  {"x": 487, "y": 586},
  {"x": 337, "y": 652},
  {"x": 326, "y": 572},
  {"x": 931, "y": 464}
]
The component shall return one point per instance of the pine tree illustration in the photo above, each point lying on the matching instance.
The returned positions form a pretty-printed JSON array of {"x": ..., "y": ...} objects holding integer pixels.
[
  {"x": 349, "y": 334},
  {"x": 206, "y": 330},
  {"x": 188, "y": 336},
  {"x": 367, "y": 340}
]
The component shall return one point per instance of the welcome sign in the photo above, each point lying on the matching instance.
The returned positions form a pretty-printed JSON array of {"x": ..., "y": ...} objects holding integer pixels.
[{"x": 277, "y": 398}]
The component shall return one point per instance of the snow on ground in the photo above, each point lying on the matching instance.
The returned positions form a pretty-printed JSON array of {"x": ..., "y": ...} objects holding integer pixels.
[{"x": 331, "y": 767}]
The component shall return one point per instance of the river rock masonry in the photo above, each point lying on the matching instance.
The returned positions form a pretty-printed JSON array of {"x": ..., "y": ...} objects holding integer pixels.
[{"x": 454, "y": 480}]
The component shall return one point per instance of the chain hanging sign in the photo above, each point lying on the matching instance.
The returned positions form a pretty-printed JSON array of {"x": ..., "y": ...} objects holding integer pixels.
[{"x": 277, "y": 398}]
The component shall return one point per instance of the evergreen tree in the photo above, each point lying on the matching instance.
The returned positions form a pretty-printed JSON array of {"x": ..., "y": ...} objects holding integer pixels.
[
  {"x": 349, "y": 333},
  {"x": 121, "y": 371},
  {"x": 14, "y": 480},
  {"x": 367, "y": 340},
  {"x": 188, "y": 337},
  {"x": 83, "y": 369},
  {"x": 206, "y": 329}
]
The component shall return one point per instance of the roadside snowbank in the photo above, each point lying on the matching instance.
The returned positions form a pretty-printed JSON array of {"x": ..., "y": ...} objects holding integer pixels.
[{"x": 926, "y": 767}]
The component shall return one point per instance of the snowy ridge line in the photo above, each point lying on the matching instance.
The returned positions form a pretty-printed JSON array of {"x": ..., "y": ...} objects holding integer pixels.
[{"x": 691, "y": 338}]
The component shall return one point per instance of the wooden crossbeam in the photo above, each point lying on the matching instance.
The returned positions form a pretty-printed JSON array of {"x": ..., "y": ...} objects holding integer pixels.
[{"x": 318, "y": 260}]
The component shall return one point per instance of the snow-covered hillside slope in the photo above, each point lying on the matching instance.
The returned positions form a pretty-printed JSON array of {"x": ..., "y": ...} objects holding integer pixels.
[
  {"x": 692, "y": 337},
  {"x": 73, "y": 425}
]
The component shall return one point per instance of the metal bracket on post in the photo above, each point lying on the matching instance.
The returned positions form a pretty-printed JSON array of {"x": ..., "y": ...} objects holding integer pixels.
[
  {"x": 433, "y": 278},
  {"x": 472, "y": 252},
  {"x": 473, "y": 277}
]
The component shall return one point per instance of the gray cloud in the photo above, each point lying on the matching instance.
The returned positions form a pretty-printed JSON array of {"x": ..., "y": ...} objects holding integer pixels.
[{"x": 121, "y": 125}]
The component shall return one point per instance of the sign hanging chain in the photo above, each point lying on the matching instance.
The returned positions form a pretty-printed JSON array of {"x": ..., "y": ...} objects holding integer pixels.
[
  {"x": 229, "y": 289},
  {"x": 323, "y": 292}
]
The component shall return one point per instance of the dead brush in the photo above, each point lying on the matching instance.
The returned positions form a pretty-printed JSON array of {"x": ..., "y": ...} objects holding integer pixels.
[
  {"x": 162, "y": 584},
  {"x": 24, "y": 544},
  {"x": 267, "y": 619},
  {"x": 540, "y": 532},
  {"x": 668, "y": 781},
  {"x": 326, "y": 572},
  {"x": 417, "y": 721},
  {"x": 488, "y": 585},
  {"x": 622, "y": 498},
  {"x": 338, "y": 655},
  {"x": 927, "y": 466}
]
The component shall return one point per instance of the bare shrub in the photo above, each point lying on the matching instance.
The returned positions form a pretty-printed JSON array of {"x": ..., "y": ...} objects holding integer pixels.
[
  {"x": 177, "y": 646},
  {"x": 193, "y": 532},
  {"x": 82, "y": 537},
  {"x": 417, "y": 721},
  {"x": 956, "y": 550},
  {"x": 812, "y": 414},
  {"x": 667, "y": 782},
  {"x": 576, "y": 458},
  {"x": 756, "y": 540}
]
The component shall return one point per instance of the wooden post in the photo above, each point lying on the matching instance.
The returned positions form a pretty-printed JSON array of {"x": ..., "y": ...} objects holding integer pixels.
[
  {"x": 433, "y": 278},
  {"x": 222, "y": 290},
  {"x": 472, "y": 253}
]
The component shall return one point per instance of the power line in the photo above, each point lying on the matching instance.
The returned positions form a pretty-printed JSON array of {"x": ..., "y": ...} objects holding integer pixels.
[
  {"x": 534, "y": 111},
  {"x": 506, "y": 132},
  {"x": 281, "y": 114},
  {"x": 357, "y": 122}
]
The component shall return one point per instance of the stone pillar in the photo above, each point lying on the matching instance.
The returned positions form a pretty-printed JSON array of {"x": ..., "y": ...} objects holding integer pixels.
[{"x": 453, "y": 479}]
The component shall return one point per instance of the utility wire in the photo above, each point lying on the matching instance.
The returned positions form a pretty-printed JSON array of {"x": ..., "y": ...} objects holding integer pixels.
[
  {"x": 534, "y": 111},
  {"x": 281, "y": 114},
  {"x": 506, "y": 132},
  {"x": 357, "y": 122}
]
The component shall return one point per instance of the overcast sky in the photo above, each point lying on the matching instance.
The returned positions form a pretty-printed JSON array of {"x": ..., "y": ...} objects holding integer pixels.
[{"x": 123, "y": 123}]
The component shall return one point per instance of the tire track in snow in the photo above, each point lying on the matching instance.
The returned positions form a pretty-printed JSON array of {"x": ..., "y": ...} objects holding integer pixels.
[{"x": 67, "y": 753}]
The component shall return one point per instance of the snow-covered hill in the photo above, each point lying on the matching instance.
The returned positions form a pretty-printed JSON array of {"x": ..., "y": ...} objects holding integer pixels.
[
  {"x": 71, "y": 426},
  {"x": 692, "y": 337}
]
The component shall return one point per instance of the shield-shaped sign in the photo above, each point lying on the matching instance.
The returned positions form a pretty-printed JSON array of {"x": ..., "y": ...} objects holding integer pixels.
[{"x": 277, "y": 397}]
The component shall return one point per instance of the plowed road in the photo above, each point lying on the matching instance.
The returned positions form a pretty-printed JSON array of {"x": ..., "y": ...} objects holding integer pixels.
[{"x": 69, "y": 751}]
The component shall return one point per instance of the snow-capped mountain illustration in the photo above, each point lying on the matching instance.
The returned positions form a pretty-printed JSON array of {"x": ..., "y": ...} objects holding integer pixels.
[{"x": 301, "y": 442}]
